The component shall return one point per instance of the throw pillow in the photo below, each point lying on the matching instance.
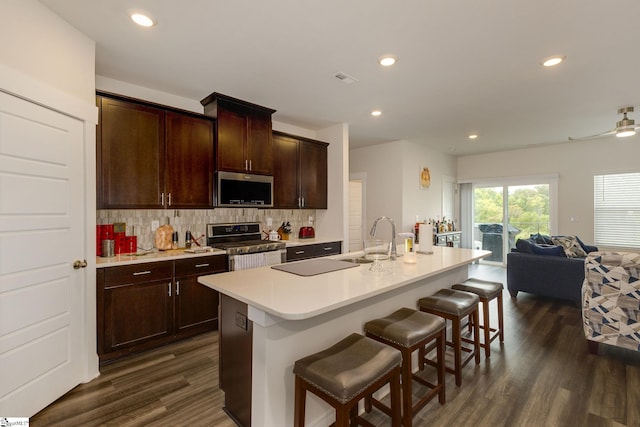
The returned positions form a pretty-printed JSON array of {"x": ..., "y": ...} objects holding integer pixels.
[
  {"x": 541, "y": 239},
  {"x": 572, "y": 248},
  {"x": 524, "y": 246}
]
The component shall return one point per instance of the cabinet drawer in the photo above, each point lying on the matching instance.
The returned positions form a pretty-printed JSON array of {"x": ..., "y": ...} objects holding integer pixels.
[
  {"x": 201, "y": 265},
  {"x": 139, "y": 273},
  {"x": 326, "y": 249},
  {"x": 442, "y": 240},
  {"x": 300, "y": 252}
]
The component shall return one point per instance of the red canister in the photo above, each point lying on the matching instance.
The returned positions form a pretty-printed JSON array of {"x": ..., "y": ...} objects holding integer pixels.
[
  {"x": 120, "y": 241},
  {"x": 130, "y": 245}
]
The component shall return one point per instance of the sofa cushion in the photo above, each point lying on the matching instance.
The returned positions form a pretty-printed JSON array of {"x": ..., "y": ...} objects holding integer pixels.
[{"x": 572, "y": 249}]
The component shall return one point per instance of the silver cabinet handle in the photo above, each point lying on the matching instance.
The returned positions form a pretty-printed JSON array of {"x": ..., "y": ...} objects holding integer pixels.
[
  {"x": 328, "y": 248},
  {"x": 177, "y": 287},
  {"x": 202, "y": 265},
  {"x": 246, "y": 164},
  {"x": 299, "y": 252},
  {"x": 303, "y": 202},
  {"x": 250, "y": 166},
  {"x": 169, "y": 199},
  {"x": 162, "y": 199},
  {"x": 142, "y": 273},
  {"x": 169, "y": 288}
]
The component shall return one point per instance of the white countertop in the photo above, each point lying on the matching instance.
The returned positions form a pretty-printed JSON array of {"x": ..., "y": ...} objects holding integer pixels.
[
  {"x": 293, "y": 297},
  {"x": 170, "y": 255}
]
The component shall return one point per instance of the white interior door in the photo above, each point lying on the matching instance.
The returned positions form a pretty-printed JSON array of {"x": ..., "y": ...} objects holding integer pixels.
[
  {"x": 356, "y": 215},
  {"x": 41, "y": 234}
]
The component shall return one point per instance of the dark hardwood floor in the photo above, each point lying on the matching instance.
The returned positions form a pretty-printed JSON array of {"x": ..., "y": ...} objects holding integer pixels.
[{"x": 543, "y": 375}]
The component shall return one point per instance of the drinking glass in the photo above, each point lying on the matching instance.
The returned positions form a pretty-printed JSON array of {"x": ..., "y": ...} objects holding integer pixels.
[{"x": 377, "y": 251}]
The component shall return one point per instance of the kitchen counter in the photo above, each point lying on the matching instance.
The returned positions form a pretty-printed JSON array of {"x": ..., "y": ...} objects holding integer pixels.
[
  {"x": 291, "y": 316},
  {"x": 169, "y": 255}
]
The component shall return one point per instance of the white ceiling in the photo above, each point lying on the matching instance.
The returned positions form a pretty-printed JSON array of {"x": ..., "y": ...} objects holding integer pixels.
[{"x": 464, "y": 65}]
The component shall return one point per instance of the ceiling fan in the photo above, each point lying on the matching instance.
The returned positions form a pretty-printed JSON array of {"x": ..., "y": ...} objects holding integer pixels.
[{"x": 625, "y": 127}]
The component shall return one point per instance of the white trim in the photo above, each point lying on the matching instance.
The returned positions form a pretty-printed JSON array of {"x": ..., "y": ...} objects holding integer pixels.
[{"x": 511, "y": 180}]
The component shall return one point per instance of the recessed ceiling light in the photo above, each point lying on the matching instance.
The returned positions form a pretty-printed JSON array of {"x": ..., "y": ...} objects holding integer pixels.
[
  {"x": 376, "y": 113},
  {"x": 387, "y": 60},
  {"x": 142, "y": 20},
  {"x": 553, "y": 60},
  {"x": 473, "y": 136}
]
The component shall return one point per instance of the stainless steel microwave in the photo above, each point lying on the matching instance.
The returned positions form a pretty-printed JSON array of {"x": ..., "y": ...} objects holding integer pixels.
[{"x": 244, "y": 190}]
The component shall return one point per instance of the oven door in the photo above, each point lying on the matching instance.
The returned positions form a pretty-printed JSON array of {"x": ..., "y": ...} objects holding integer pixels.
[{"x": 255, "y": 260}]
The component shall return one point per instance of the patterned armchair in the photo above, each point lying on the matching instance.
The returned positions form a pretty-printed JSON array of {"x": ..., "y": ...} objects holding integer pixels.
[{"x": 611, "y": 300}]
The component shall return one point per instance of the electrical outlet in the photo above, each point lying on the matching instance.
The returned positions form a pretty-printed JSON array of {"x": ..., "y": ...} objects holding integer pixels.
[
  {"x": 154, "y": 225},
  {"x": 269, "y": 222}
]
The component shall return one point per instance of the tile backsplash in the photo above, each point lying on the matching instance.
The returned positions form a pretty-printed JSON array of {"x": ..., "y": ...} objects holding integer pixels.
[{"x": 138, "y": 221}]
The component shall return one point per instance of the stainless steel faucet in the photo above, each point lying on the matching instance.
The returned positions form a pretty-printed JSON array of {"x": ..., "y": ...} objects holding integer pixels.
[{"x": 394, "y": 253}]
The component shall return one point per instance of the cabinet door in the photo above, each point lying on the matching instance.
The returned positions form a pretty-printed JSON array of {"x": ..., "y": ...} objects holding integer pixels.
[
  {"x": 260, "y": 145},
  {"x": 189, "y": 168},
  {"x": 137, "y": 316},
  {"x": 232, "y": 137},
  {"x": 130, "y": 155},
  {"x": 313, "y": 175},
  {"x": 285, "y": 172},
  {"x": 196, "y": 307}
]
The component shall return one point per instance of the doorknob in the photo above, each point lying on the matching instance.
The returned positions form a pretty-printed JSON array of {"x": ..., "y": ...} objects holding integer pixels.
[{"x": 79, "y": 264}]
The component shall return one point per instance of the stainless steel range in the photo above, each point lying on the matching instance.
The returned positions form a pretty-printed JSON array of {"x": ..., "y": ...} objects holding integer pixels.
[{"x": 244, "y": 245}]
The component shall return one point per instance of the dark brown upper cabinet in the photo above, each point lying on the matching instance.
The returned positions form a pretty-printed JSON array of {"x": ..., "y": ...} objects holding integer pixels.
[
  {"x": 300, "y": 172},
  {"x": 243, "y": 135},
  {"x": 149, "y": 157}
]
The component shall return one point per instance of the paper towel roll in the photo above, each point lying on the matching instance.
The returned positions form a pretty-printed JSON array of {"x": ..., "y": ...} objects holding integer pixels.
[{"x": 425, "y": 233}]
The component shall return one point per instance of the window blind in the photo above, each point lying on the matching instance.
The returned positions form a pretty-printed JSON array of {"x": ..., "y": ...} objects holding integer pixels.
[{"x": 616, "y": 202}]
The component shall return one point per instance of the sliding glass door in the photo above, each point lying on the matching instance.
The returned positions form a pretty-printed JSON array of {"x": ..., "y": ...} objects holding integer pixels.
[{"x": 502, "y": 214}]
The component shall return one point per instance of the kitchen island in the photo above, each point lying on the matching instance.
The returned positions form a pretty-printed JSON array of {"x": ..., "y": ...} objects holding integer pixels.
[{"x": 271, "y": 318}]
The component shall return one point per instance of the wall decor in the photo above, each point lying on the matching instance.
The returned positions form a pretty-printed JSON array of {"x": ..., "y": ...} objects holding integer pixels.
[{"x": 425, "y": 178}]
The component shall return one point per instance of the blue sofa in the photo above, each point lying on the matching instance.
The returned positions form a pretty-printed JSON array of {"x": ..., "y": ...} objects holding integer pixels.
[{"x": 544, "y": 269}]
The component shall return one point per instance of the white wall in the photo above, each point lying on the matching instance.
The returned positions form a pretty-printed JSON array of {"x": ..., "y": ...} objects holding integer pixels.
[
  {"x": 427, "y": 203},
  {"x": 38, "y": 43},
  {"x": 335, "y": 219},
  {"x": 382, "y": 166},
  {"x": 392, "y": 181},
  {"x": 576, "y": 163}
]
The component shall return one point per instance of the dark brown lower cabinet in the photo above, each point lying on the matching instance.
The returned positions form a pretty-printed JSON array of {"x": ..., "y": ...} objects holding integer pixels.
[
  {"x": 315, "y": 250},
  {"x": 196, "y": 308},
  {"x": 148, "y": 305}
]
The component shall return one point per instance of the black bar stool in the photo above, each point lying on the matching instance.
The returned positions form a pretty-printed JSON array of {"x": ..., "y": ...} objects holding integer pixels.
[
  {"x": 455, "y": 305},
  {"x": 409, "y": 330},
  {"x": 345, "y": 373},
  {"x": 486, "y": 291}
]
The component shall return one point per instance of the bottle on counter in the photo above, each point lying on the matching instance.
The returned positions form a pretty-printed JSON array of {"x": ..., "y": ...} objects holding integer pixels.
[
  {"x": 187, "y": 240},
  {"x": 174, "y": 240}
]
